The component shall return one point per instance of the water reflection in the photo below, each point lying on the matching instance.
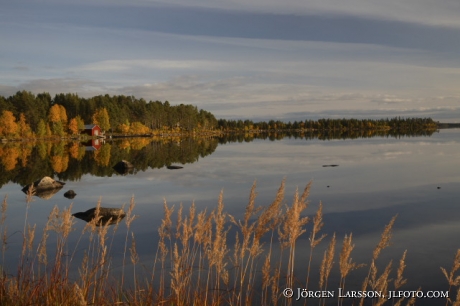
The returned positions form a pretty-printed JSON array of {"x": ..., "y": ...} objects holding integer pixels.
[
  {"x": 322, "y": 135},
  {"x": 69, "y": 161},
  {"x": 23, "y": 163},
  {"x": 124, "y": 167},
  {"x": 174, "y": 167}
]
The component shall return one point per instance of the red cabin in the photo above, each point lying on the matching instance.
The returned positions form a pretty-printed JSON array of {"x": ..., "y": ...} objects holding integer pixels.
[{"x": 92, "y": 130}]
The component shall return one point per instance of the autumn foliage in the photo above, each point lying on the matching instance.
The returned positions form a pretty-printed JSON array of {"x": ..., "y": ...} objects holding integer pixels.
[
  {"x": 101, "y": 118},
  {"x": 73, "y": 126},
  {"x": 66, "y": 114},
  {"x": 8, "y": 125},
  {"x": 135, "y": 128}
]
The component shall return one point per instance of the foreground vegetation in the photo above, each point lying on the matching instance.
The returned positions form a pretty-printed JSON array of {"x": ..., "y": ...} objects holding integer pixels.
[{"x": 195, "y": 264}]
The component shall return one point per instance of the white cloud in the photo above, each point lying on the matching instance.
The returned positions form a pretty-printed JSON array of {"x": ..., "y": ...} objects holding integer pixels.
[
  {"x": 124, "y": 65},
  {"x": 234, "y": 76},
  {"x": 83, "y": 87}
]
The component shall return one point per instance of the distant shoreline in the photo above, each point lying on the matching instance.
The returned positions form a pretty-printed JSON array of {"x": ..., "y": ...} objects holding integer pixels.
[{"x": 448, "y": 125}]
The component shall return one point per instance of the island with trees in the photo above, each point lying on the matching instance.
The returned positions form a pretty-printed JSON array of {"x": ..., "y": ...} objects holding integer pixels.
[{"x": 25, "y": 115}]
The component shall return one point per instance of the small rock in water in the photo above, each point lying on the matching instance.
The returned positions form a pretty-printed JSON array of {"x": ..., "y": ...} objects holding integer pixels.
[
  {"x": 173, "y": 167},
  {"x": 439, "y": 187},
  {"x": 70, "y": 194}
]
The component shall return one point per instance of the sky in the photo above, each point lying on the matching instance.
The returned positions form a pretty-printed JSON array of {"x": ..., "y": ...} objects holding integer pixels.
[{"x": 242, "y": 59}]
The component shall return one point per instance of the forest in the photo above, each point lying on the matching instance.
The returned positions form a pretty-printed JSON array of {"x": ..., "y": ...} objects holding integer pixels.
[{"x": 26, "y": 115}]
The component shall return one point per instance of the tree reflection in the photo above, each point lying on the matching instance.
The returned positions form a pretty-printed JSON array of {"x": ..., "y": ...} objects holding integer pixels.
[
  {"x": 69, "y": 161},
  {"x": 102, "y": 156},
  {"x": 9, "y": 156}
]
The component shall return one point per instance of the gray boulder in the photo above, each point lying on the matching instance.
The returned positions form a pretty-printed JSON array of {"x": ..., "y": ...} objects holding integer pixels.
[{"x": 44, "y": 188}]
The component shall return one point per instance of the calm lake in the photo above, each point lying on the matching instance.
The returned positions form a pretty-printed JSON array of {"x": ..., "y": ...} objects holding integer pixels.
[{"x": 416, "y": 178}]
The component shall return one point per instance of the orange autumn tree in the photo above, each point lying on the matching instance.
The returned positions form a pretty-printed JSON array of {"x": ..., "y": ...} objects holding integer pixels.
[
  {"x": 138, "y": 128},
  {"x": 23, "y": 128},
  {"x": 55, "y": 113},
  {"x": 124, "y": 127},
  {"x": 75, "y": 125},
  {"x": 63, "y": 114},
  {"x": 58, "y": 118},
  {"x": 8, "y": 125}
]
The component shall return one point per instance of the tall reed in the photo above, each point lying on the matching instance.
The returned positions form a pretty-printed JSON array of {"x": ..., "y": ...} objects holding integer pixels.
[{"x": 194, "y": 263}]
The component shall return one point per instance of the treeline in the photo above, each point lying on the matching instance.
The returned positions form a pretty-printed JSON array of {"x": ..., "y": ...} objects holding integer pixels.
[
  {"x": 27, "y": 115},
  {"x": 397, "y": 123}
]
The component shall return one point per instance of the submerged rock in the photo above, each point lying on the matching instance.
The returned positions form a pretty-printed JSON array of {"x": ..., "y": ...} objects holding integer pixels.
[
  {"x": 330, "y": 165},
  {"x": 70, "y": 194},
  {"x": 105, "y": 215},
  {"x": 173, "y": 167},
  {"x": 44, "y": 188}
]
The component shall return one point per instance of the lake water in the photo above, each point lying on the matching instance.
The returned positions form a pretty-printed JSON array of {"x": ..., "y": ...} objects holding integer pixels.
[{"x": 415, "y": 178}]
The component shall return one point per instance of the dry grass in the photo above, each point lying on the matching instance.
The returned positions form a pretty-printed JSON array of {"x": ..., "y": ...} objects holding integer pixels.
[{"x": 195, "y": 264}]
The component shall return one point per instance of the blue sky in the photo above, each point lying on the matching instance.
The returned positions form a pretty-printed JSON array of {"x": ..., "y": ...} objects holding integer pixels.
[{"x": 255, "y": 59}]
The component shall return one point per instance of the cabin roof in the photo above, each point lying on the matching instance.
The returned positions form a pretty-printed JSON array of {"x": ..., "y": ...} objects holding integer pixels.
[{"x": 90, "y": 126}]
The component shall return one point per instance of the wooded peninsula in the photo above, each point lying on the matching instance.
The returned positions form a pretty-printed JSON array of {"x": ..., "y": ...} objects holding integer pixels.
[{"x": 26, "y": 115}]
